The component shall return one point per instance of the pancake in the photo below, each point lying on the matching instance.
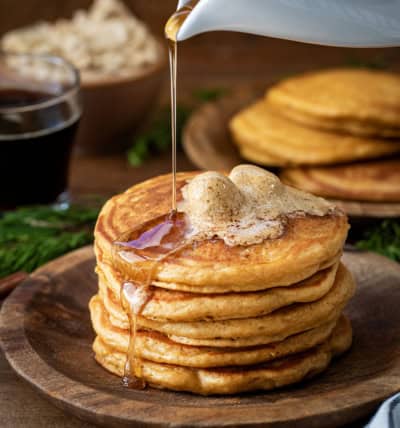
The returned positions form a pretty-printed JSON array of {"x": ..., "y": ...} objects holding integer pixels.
[
  {"x": 356, "y": 101},
  {"x": 273, "y": 327},
  {"x": 270, "y": 328},
  {"x": 310, "y": 240},
  {"x": 232, "y": 380},
  {"x": 260, "y": 157},
  {"x": 175, "y": 306},
  {"x": 262, "y": 134},
  {"x": 105, "y": 265},
  {"x": 156, "y": 347},
  {"x": 377, "y": 181}
]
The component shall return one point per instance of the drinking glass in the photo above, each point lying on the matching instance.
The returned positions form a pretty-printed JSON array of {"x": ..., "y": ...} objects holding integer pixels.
[{"x": 40, "y": 108}]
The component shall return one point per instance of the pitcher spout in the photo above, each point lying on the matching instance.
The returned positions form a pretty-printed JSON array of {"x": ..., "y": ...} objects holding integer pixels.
[{"x": 352, "y": 23}]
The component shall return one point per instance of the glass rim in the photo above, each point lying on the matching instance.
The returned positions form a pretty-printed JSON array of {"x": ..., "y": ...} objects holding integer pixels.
[{"x": 55, "y": 99}]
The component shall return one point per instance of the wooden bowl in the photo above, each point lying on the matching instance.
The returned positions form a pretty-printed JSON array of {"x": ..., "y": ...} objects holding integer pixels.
[{"x": 113, "y": 107}]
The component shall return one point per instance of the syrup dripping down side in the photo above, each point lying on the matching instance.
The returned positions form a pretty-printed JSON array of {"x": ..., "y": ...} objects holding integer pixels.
[{"x": 137, "y": 256}]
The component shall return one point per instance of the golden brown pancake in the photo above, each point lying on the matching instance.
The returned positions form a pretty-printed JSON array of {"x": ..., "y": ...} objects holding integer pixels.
[
  {"x": 175, "y": 306},
  {"x": 275, "y": 326},
  {"x": 156, "y": 347},
  {"x": 221, "y": 317},
  {"x": 310, "y": 240},
  {"x": 231, "y": 380},
  {"x": 268, "y": 138},
  {"x": 265, "y": 329},
  {"x": 377, "y": 181},
  {"x": 356, "y": 101},
  {"x": 260, "y": 157}
]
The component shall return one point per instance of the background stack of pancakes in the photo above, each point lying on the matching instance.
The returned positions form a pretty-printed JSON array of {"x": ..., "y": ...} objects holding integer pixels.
[
  {"x": 311, "y": 123},
  {"x": 223, "y": 319}
]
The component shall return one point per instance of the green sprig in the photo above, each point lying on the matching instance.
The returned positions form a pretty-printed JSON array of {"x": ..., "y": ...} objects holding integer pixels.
[
  {"x": 31, "y": 236},
  {"x": 379, "y": 62},
  {"x": 157, "y": 138},
  {"x": 383, "y": 239}
]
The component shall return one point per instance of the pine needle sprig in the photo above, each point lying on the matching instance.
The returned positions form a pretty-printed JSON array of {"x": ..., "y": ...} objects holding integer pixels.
[
  {"x": 383, "y": 238},
  {"x": 32, "y": 236}
]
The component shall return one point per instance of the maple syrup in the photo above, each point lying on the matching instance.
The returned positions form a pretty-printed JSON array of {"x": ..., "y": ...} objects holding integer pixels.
[
  {"x": 171, "y": 31},
  {"x": 137, "y": 257},
  {"x": 138, "y": 254}
]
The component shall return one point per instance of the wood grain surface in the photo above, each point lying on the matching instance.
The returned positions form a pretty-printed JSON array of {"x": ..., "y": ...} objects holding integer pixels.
[
  {"x": 208, "y": 144},
  {"x": 46, "y": 335}
]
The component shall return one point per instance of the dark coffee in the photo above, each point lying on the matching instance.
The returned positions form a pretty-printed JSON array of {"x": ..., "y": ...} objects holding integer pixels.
[{"x": 35, "y": 147}]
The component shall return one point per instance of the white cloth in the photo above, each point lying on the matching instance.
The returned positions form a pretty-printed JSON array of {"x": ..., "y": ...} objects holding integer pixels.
[{"x": 388, "y": 415}]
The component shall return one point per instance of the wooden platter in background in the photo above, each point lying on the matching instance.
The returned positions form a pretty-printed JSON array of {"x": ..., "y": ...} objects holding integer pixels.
[
  {"x": 369, "y": 209},
  {"x": 46, "y": 335},
  {"x": 207, "y": 142}
]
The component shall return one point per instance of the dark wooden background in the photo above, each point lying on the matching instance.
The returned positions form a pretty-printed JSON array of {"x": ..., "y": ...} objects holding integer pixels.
[
  {"x": 218, "y": 59},
  {"x": 223, "y": 58}
]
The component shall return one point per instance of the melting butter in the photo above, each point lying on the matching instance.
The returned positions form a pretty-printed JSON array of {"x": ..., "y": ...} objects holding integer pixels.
[{"x": 246, "y": 207}]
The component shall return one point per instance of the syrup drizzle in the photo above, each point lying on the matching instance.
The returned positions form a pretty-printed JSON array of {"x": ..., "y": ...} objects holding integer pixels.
[{"x": 139, "y": 254}]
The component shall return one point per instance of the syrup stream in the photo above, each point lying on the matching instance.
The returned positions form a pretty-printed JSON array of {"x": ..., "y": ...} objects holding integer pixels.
[
  {"x": 173, "y": 59},
  {"x": 171, "y": 30},
  {"x": 155, "y": 242}
]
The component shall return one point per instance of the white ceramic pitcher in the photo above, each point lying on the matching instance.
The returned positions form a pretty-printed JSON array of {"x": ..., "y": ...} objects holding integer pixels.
[{"x": 357, "y": 23}]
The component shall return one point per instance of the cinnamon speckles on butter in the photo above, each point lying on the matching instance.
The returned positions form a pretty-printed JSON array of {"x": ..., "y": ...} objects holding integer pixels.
[
  {"x": 213, "y": 197},
  {"x": 246, "y": 207}
]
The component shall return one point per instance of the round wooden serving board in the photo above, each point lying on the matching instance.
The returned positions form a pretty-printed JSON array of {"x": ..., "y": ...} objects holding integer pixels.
[
  {"x": 207, "y": 142},
  {"x": 46, "y": 335}
]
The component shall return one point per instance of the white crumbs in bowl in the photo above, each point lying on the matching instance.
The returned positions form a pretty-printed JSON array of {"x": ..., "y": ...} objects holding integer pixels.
[{"x": 104, "y": 40}]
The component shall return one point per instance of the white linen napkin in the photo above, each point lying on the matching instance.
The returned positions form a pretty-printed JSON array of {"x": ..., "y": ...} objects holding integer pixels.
[{"x": 388, "y": 415}]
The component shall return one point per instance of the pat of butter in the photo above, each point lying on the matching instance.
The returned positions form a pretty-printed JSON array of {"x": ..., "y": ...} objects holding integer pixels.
[{"x": 246, "y": 207}]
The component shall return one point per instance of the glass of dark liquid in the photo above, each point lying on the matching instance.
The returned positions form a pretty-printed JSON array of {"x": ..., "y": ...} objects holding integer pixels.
[{"x": 40, "y": 108}]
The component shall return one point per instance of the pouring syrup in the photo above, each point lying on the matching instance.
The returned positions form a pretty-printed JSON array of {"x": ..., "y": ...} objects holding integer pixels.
[
  {"x": 137, "y": 256},
  {"x": 139, "y": 253}
]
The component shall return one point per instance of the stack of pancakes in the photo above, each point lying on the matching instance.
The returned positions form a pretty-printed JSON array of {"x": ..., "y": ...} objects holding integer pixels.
[
  {"x": 224, "y": 319},
  {"x": 311, "y": 123}
]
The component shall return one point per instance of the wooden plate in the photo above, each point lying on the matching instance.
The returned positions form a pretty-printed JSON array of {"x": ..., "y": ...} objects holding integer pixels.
[
  {"x": 46, "y": 335},
  {"x": 207, "y": 142}
]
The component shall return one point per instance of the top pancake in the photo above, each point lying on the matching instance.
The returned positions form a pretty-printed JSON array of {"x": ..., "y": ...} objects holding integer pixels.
[
  {"x": 368, "y": 181},
  {"x": 268, "y": 138},
  {"x": 356, "y": 101},
  {"x": 307, "y": 244}
]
